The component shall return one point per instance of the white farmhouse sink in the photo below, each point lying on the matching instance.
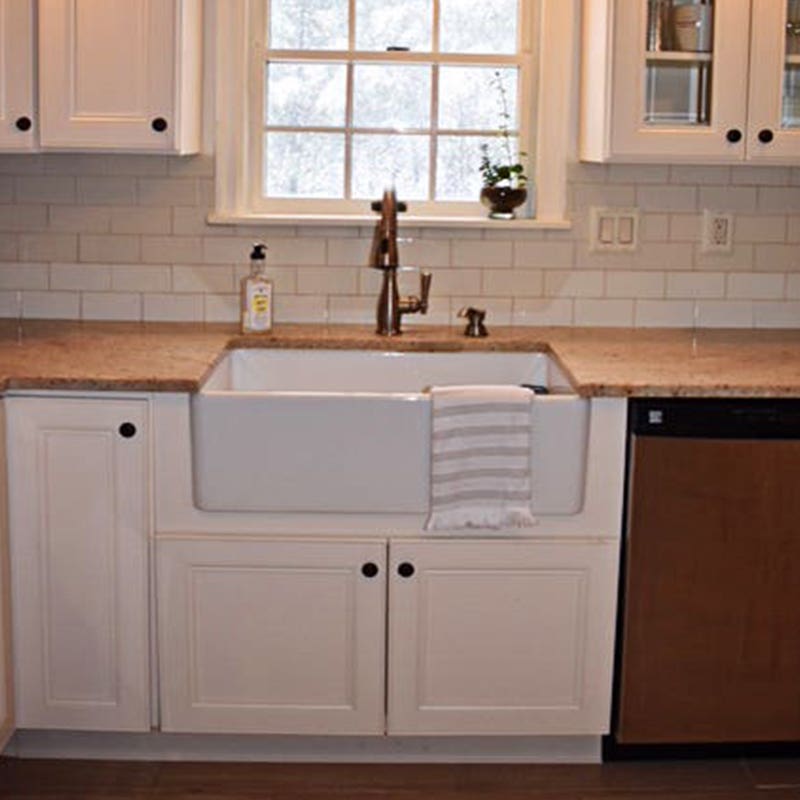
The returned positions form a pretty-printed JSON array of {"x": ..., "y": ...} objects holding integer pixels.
[{"x": 349, "y": 430}]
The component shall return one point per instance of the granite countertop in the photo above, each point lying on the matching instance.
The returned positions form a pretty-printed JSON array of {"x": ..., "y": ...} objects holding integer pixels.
[{"x": 602, "y": 362}]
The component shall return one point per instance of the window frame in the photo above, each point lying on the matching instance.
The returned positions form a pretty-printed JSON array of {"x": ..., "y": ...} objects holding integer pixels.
[{"x": 240, "y": 56}]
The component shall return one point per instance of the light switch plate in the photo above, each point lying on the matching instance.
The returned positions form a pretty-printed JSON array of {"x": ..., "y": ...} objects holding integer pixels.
[{"x": 613, "y": 229}]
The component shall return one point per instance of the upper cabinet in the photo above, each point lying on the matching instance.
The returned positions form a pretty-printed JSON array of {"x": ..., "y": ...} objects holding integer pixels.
[
  {"x": 691, "y": 81},
  {"x": 120, "y": 75},
  {"x": 17, "y": 108}
]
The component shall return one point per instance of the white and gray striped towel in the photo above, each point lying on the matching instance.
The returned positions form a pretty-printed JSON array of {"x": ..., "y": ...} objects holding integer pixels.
[{"x": 480, "y": 457}]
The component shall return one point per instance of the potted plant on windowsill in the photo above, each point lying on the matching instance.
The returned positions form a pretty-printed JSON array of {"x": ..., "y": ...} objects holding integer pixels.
[{"x": 504, "y": 178}]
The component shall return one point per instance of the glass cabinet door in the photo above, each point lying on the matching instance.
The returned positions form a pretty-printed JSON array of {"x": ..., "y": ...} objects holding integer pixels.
[
  {"x": 680, "y": 83},
  {"x": 679, "y": 58},
  {"x": 774, "y": 97}
]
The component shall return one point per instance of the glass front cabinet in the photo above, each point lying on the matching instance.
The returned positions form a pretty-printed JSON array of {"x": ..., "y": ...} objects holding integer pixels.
[{"x": 691, "y": 80}]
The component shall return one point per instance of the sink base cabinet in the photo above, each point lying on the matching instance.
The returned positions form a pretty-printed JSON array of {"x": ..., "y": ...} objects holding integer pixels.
[
  {"x": 504, "y": 637},
  {"x": 79, "y": 517},
  {"x": 274, "y": 636}
]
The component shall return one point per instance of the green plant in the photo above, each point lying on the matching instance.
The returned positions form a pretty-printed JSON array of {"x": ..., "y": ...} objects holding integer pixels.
[{"x": 507, "y": 170}]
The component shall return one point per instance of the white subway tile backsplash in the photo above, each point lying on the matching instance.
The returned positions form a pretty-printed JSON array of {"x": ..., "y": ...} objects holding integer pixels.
[
  {"x": 547, "y": 311},
  {"x": 24, "y": 276},
  {"x": 579, "y": 283},
  {"x": 604, "y": 313},
  {"x": 155, "y": 278},
  {"x": 756, "y": 286},
  {"x": 107, "y": 190},
  {"x": 628, "y": 283},
  {"x": 75, "y": 277},
  {"x": 173, "y": 307},
  {"x": 664, "y": 313},
  {"x": 51, "y": 305},
  {"x": 126, "y": 237},
  {"x": 217, "y": 279},
  {"x": 109, "y": 249},
  {"x": 513, "y": 283},
  {"x": 111, "y": 306},
  {"x": 48, "y": 247},
  {"x": 482, "y": 254},
  {"x": 695, "y": 284}
]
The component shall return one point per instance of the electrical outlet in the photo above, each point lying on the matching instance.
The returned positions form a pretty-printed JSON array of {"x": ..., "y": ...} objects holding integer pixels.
[
  {"x": 717, "y": 232},
  {"x": 613, "y": 229}
]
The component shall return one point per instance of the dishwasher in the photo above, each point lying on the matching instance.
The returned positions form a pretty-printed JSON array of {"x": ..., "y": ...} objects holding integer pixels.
[{"x": 709, "y": 639}]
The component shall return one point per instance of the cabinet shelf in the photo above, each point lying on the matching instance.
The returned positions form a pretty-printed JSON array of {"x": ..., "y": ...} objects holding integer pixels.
[
  {"x": 793, "y": 60},
  {"x": 678, "y": 55}
]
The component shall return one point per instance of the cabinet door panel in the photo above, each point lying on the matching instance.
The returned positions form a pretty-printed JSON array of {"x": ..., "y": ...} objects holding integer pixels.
[
  {"x": 271, "y": 636},
  {"x": 774, "y": 101},
  {"x": 78, "y": 513},
  {"x": 718, "y": 84},
  {"x": 16, "y": 74},
  {"x": 501, "y": 637},
  {"x": 6, "y": 684},
  {"x": 106, "y": 72}
]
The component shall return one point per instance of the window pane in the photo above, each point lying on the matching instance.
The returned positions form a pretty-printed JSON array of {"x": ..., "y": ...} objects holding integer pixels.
[
  {"x": 380, "y": 161},
  {"x": 308, "y": 24},
  {"x": 304, "y": 165},
  {"x": 470, "y": 97},
  {"x": 475, "y": 26},
  {"x": 457, "y": 161},
  {"x": 381, "y": 24},
  {"x": 393, "y": 97},
  {"x": 306, "y": 94}
]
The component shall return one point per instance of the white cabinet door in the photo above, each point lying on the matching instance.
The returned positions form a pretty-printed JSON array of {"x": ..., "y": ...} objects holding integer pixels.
[
  {"x": 502, "y": 637},
  {"x": 669, "y": 102},
  {"x": 774, "y": 103},
  {"x": 79, "y": 520},
  {"x": 6, "y": 685},
  {"x": 17, "y": 114},
  {"x": 272, "y": 636},
  {"x": 120, "y": 74}
]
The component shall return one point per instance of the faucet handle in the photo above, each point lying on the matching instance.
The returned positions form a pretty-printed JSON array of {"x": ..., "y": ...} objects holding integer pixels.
[{"x": 425, "y": 279}]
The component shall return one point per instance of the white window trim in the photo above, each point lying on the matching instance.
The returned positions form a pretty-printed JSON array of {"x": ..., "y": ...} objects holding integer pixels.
[{"x": 552, "y": 135}]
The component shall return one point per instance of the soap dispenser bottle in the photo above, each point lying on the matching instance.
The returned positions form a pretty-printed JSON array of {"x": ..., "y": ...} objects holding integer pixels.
[{"x": 257, "y": 294}]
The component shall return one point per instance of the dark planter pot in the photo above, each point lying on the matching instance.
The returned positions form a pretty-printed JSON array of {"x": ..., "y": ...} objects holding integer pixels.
[{"x": 502, "y": 200}]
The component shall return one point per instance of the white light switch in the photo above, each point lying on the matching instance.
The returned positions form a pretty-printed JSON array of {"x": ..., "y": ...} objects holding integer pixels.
[{"x": 614, "y": 229}]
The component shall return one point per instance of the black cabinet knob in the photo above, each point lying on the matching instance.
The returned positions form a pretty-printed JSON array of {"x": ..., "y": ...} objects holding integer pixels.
[
  {"x": 369, "y": 570},
  {"x": 734, "y": 135},
  {"x": 23, "y": 123},
  {"x": 405, "y": 570},
  {"x": 159, "y": 124},
  {"x": 765, "y": 136},
  {"x": 127, "y": 430}
]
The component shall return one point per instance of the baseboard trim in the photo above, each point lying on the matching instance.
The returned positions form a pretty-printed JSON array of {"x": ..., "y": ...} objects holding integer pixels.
[{"x": 158, "y": 746}]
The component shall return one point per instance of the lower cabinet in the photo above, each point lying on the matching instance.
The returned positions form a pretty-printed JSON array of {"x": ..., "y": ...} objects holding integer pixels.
[
  {"x": 79, "y": 521},
  {"x": 279, "y": 636},
  {"x": 272, "y": 636}
]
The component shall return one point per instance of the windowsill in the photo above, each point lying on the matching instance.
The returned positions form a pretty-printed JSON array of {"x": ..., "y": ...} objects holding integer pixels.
[{"x": 360, "y": 221}]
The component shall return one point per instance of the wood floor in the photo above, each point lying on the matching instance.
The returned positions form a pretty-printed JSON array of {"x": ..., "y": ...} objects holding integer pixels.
[{"x": 763, "y": 779}]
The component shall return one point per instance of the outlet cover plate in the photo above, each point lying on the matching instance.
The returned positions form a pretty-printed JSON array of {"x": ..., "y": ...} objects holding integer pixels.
[{"x": 717, "y": 232}]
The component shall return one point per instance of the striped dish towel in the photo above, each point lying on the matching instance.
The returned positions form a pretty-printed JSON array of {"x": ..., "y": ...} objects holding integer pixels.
[{"x": 480, "y": 457}]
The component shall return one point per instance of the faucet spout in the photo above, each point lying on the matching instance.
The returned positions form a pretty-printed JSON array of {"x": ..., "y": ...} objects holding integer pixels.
[{"x": 384, "y": 256}]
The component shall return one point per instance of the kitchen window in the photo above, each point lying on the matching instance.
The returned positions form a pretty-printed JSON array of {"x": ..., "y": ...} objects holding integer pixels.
[{"x": 324, "y": 103}]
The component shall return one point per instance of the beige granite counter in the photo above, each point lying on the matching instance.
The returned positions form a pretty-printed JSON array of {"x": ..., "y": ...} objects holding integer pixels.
[{"x": 602, "y": 362}]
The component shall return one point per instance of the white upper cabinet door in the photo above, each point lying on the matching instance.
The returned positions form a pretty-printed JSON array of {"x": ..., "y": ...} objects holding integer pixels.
[
  {"x": 6, "y": 684},
  {"x": 665, "y": 82},
  {"x": 272, "y": 636},
  {"x": 79, "y": 523},
  {"x": 774, "y": 105},
  {"x": 120, "y": 74},
  {"x": 501, "y": 637},
  {"x": 17, "y": 112}
]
